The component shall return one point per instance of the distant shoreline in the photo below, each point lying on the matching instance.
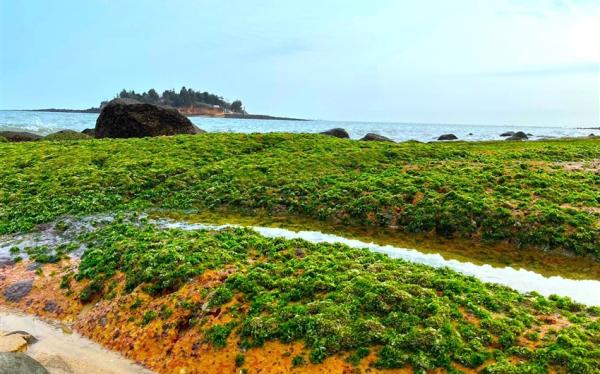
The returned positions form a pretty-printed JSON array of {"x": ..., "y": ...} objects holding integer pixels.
[{"x": 226, "y": 115}]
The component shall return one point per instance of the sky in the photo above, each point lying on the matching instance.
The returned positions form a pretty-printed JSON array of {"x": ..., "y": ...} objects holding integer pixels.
[{"x": 426, "y": 61}]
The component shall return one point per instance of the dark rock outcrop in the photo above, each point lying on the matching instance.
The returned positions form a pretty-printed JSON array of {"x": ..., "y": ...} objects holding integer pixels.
[
  {"x": 520, "y": 135},
  {"x": 370, "y": 137},
  {"x": 20, "y": 363},
  {"x": 127, "y": 118},
  {"x": 89, "y": 132},
  {"x": 448, "y": 137},
  {"x": 17, "y": 136},
  {"x": 337, "y": 132},
  {"x": 18, "y": 290},
  {"x": 508, "y": 133}
]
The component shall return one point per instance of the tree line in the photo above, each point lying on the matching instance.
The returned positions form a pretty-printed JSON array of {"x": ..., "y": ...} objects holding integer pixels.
[{"x": 184, "y": 98}]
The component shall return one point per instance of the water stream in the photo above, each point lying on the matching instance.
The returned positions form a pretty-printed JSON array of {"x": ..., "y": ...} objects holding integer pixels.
[
  {"x": 62, "y": 352},
  {"x": 583, "y": 291}
]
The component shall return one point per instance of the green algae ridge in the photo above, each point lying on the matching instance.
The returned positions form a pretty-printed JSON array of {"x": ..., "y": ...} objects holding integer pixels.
[
  {"x": 343, "y": 301},
  {"x": 543, "y": 194}
]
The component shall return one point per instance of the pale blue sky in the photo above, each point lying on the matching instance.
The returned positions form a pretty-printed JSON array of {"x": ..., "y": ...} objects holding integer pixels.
[{"x": 460, "y": 61}]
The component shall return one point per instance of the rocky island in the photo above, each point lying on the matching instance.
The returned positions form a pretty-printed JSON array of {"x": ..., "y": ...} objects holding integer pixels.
[{"x": 187, "y": 101}]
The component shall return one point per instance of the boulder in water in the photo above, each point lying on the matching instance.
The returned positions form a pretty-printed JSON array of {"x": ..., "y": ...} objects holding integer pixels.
[
  {"x": 337, "y": 132},
  {"x": 508, "y": 133},
  {"x": 448, "y": 137},
  {"x": 370, "y": 137},
  {"x": 19, "y": 136},
  {"x": 20, "y": 363},
  {"x": 127, "y": 118}
]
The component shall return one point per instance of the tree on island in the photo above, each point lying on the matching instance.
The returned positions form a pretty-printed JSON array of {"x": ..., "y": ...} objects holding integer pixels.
[
  {"x": 237, "y": 106},
  {"x": 185, "y": 98}
]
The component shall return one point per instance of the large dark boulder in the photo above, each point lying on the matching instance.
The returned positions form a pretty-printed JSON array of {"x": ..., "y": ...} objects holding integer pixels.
[
  {"x": 127, "y": 118},
  {"x": 508, "y": 133},
  {"x": 448, "y": 137},
  {"x": 337, "y": 132},
  {"x": 370, "y": 137},
  {"x": 18, "y": 136},
  {"x": 20, "y": 363}
]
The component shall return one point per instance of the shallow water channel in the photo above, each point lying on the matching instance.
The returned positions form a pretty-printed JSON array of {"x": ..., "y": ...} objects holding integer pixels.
[{"x": 585, "y": 291}]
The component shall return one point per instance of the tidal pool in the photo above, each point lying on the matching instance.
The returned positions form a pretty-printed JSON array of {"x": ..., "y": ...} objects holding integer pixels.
[{"x": 585, "y": 291}]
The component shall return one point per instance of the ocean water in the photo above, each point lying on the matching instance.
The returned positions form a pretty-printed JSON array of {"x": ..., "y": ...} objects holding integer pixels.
[{"x": 47, "y": 122}]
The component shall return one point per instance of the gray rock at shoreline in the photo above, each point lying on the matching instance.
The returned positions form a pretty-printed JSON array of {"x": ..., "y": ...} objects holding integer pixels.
[
  {"x": 20, "y": 363},
  {"x": 18, "y": 290},
  {"x": 508, "y": 133},
  {"x": 127, "y": 118},
  {"x": 90, "y": 132},
  {"x": 370, "y": 137},
  {"x": 337, "y": 132},
  {"x": 518, "y": 136},
  {"x": 18, "y": 136},
  {"x": 447, "y": 137}
]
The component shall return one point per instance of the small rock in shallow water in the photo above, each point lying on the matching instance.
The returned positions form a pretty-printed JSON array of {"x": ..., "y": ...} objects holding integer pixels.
[
  {"x": 508, "y": 133},
  {"x": 20, "y": 363},
  {"x": 12, "y": 343},
  {"x": 18, "y": 290},
  {"x": 448, "y": 137},
  {"x": 30, "y": 339}
]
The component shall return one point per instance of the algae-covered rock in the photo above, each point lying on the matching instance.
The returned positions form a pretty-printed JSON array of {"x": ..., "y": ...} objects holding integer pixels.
[{"x": 67, "y": 135}]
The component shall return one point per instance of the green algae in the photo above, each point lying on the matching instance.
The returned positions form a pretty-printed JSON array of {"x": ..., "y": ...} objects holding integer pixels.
[{"x": 526, "y": 194}]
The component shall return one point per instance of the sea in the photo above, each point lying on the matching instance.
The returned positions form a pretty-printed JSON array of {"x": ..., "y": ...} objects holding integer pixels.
[{"x": 44, "y": 123}]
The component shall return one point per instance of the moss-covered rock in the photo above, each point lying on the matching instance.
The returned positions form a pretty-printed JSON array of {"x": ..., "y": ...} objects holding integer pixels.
[{"x": 66, "y": 135}]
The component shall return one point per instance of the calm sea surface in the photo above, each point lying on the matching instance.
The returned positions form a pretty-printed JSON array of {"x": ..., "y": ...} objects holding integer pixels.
[{"x": 46, "y": 122}]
